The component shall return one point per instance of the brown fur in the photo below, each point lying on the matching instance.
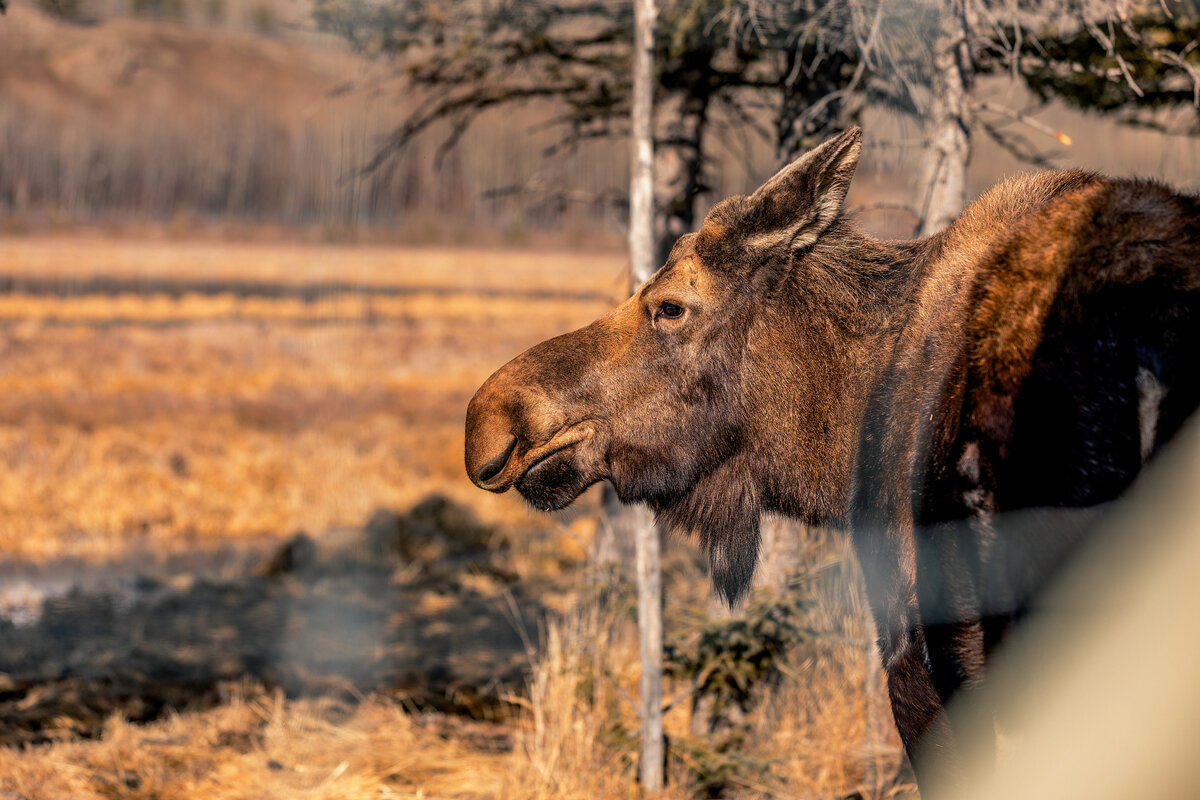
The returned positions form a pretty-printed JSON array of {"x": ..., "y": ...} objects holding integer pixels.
[{"x": 927, "y": 393}]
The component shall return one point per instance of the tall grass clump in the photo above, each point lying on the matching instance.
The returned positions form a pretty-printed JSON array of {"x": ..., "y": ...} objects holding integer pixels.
[
  {"x": 577, "y": 735},
  {"x": 780, "y": 698}
]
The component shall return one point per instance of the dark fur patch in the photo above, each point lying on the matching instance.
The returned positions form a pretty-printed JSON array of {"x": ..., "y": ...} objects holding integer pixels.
[
  {"x": 553, "y": 484},
  {"x": 722, "y": 511}
]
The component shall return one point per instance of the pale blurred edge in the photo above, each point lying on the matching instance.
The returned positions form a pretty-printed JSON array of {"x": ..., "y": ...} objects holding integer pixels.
[{"x": 1101, "y": 693}]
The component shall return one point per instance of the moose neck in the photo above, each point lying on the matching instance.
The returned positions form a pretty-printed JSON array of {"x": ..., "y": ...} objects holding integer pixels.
[{"x": 816, "y": 354}]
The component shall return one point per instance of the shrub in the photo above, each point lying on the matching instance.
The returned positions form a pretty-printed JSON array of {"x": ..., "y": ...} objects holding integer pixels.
[
  {"x": 262, "y": 17},
  {"x": 67, "y": 9},
  {"x": 730, "y": 662}
]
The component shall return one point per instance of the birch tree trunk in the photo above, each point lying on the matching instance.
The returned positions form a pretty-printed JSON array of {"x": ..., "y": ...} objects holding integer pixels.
[
  {"x": 642, "y": 261},
  {"x": 944, "y": 174},
  {"x": 779, "y": 552}
]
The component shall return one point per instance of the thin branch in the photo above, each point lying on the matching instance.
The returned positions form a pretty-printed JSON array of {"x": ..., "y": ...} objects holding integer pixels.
[
  {"x": 1108, "y": 43},
  {"x": 1178, "y": 60},
  {"x": 1025, "y": 119},
  {"x": 470, "y": 104},
  {"x": 1017, "y": 146}
]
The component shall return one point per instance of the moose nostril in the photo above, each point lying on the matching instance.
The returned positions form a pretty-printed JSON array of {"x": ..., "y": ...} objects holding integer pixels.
[{"x": 492, "y": 468}]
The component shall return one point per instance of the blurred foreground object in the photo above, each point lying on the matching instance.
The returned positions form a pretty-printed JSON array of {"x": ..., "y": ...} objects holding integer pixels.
[{"x": 1100, "y": 685}]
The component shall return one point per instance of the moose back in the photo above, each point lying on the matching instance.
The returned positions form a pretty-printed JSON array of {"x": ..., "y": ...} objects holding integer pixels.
[{"x": 949, "y": 399}]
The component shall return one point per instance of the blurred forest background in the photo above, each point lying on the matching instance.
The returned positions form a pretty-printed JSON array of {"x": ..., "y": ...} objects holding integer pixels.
[{"x": 255, "y": 257}]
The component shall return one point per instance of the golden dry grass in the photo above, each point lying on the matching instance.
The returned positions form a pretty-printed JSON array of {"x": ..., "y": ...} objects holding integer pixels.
[
  {"x": 261, "y": 747},
  {"x": 152, "y": 421},
  {"x": 574, "y": 739},
  {"x": 463, "y": 267}
]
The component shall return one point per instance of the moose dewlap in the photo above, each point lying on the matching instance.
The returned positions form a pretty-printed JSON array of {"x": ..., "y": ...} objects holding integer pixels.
[{"x": 950, "y": 400}]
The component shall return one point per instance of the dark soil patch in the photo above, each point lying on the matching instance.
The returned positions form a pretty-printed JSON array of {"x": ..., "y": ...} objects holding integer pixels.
[{"x": 419, "y": 604}]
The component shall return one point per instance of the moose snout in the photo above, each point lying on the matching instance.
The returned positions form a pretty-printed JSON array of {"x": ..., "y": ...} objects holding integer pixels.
[
  {"x": 485, "y": 465},
  {"x": 490, "y": 442},
  {"x": 529, "y": 411},
  {"x": 510, "y": 427},
  {"x": 495, "y": 465}
]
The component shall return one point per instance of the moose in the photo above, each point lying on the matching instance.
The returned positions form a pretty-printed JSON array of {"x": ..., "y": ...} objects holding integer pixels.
[{"x": 965, "y": 404}]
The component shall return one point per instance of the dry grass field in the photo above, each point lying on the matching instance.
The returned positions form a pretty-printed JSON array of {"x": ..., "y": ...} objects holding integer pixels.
[
  {"x": 146, "y": 420},
  {"x": 166, "y": 398}
]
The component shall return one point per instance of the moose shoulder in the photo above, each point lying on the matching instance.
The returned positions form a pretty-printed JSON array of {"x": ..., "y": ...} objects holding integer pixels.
[{"x": 946, "y": 398}]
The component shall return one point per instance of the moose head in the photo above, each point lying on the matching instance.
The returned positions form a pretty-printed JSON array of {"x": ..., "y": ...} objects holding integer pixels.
[{"x": 707, "y": 394}]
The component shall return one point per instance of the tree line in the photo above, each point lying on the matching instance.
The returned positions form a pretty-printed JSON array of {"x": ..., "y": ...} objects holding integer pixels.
[{"x": 787, "y": 73}]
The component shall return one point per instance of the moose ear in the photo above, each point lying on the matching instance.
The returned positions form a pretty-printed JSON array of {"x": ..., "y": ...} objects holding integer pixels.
[{"x": 794, "y": 207}]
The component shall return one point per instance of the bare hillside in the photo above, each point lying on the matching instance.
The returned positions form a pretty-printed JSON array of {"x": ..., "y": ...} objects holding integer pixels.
[
  {"x": 164, "y": 75},
  {"x": 155, "y": 119},
  {"x": 130, "y": 118}
]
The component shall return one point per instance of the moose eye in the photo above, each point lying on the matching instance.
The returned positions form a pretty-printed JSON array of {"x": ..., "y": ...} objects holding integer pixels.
[{"x": 670, "y": 311}]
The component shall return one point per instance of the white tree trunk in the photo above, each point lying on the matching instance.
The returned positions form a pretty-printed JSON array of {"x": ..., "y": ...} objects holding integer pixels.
[
  {"x": 642, "y": 258},
  {"x": 944, "y": 176},
  {"x": 778, "y": 552}
]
